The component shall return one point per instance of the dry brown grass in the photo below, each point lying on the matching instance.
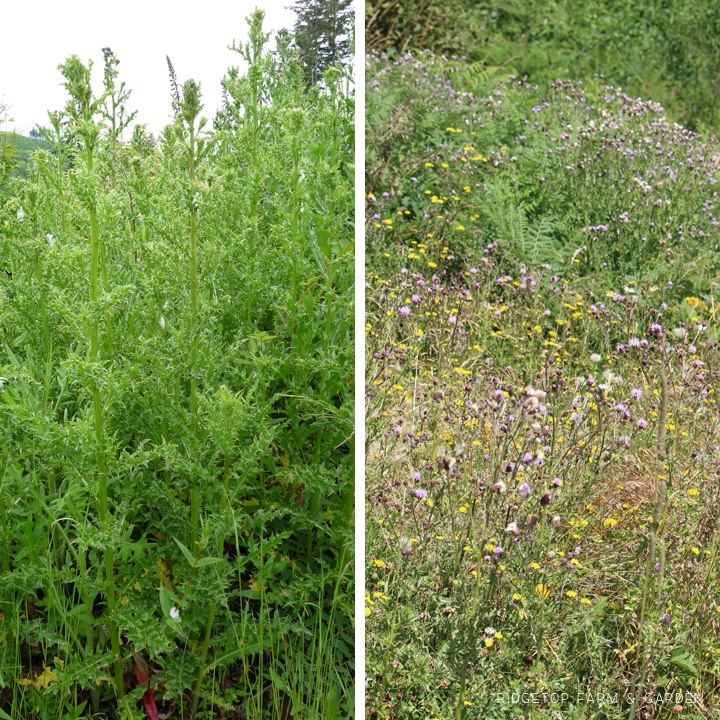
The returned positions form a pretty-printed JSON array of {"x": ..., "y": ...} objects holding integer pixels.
[{"x": 634, "y": 484}]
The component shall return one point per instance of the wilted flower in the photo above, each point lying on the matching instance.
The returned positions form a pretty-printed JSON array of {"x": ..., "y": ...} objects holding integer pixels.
[
  {"x": 546, "y": 498},
  {"x": 595, "y": 358},
  {"x": 498, "y": 487},
  {"x": 513, "y": 528}
]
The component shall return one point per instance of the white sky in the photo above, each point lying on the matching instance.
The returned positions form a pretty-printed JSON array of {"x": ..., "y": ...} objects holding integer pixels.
[{"x": 39, "y": 36}]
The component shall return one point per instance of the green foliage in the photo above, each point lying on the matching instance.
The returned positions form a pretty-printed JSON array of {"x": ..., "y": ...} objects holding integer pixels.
[
  {"x": 663, "y": 51},
  {"x": 227, "y": 535}
]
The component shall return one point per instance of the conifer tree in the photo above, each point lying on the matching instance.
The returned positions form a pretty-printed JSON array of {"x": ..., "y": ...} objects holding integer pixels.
[{"x": 324, "y": 35}]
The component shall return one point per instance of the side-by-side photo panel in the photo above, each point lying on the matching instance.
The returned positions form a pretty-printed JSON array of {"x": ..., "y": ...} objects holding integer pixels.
[
  {"x": 176, "y": 364},
  {"x": 542, "y": 362}
]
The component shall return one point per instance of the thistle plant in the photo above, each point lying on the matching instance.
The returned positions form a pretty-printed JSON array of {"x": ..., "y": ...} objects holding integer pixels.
[
  {"x": 194, "y": 150},
  {"x": 114, "y": 109},
  {"x": 81, "y": 108}
]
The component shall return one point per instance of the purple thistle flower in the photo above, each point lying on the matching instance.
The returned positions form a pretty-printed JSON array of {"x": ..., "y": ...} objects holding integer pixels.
[
  {"x": 419, "y": 493},
  {"x": 524, "y": 490},
  {"x": 642, "y": 423},
  {"x": 405, "y": 311}
]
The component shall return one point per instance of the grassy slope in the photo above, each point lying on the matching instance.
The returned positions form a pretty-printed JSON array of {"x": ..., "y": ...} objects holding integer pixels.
[
  {"x": 24, "y": 148},
  {"x": 467, "y": 321}
]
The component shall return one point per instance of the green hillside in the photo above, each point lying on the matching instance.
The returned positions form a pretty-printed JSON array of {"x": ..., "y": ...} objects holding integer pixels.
[{"x": 24, "y": 147}]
